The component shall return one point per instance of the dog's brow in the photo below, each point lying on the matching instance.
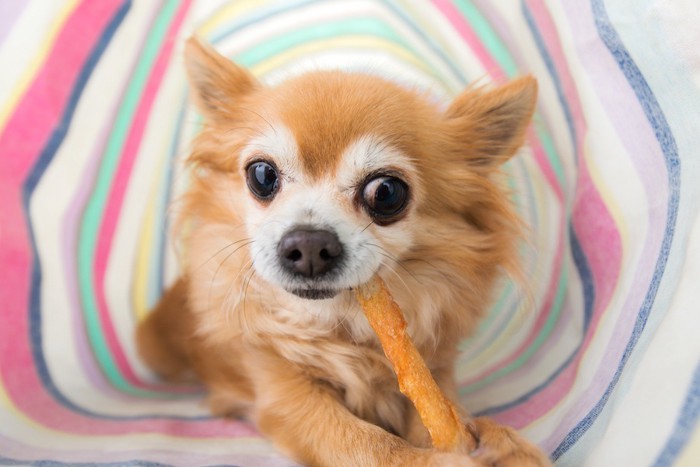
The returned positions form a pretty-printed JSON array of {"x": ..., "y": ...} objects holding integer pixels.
[
  {"x": 369, "y": 154},
  {"x": 278, "y": 143}
]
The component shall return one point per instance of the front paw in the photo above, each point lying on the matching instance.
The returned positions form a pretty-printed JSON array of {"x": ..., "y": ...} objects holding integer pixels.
[
  {"x": 502, "y": 446},
  {"x": 434, "y": 458}
]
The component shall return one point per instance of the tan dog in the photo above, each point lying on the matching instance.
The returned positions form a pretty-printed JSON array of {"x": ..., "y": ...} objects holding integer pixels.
[{"x": 303, "y": 191}]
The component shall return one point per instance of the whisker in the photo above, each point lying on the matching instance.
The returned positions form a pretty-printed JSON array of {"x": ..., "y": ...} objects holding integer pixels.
[
  {"x": 225, "y": 248},
  {"x": 382, "y": 251},
  {"x": 218, "y": 268},
  {"x": 243, "y": 315},
  {"x": 231, "y": 295},
  {"x": 405, "y": 285},
  {"x": 345, "y": 318},
  {"x": 245, "y": 293}
]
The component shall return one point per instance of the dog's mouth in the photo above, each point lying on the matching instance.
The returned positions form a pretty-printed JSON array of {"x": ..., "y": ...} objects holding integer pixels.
[{"x": 315, "y": 294}]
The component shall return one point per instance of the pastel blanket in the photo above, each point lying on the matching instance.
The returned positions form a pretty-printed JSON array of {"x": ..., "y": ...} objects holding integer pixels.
[{"x": 599, "y": 366}]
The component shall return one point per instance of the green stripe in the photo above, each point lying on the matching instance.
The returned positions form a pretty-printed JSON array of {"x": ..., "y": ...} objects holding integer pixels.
[
  {"x": 550, "y": 152},
  {"x": 356, "y": 26},
  {"x": 488, "y": 37},
  {"x": 95, "y": 207}
]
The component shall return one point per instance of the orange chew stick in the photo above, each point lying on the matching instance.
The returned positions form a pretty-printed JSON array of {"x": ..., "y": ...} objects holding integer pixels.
[{"x": 437, "y": 413}]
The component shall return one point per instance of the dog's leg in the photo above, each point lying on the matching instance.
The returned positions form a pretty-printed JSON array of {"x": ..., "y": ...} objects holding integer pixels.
[
  {"x": 307, "y": 420},
  {"x": 167, "y": 343},
  {"x": 163, "y": 337}
]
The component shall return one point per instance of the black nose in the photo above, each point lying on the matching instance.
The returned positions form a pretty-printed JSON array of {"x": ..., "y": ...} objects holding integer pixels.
[{"x": 309, "y": 253}]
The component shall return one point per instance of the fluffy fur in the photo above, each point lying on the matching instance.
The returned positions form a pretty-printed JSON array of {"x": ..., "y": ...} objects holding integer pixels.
[{"x": 310, "y": 373}]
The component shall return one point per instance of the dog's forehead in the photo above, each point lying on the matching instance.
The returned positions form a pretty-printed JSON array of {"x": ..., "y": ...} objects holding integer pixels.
[{"x": 328, "y": 113}]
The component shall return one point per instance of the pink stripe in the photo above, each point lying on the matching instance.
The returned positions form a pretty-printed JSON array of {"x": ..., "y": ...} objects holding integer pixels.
[
  {"x": 119, "y": 185},
  {"x": 454, "y": 16}
]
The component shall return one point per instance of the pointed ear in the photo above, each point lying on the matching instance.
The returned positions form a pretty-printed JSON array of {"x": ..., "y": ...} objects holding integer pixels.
[
  {"x": 216, "y": 82},
  {"x": 490, "y": 125}
]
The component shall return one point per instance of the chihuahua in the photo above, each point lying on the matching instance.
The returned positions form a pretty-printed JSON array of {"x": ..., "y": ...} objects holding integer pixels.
[{"x": 301, "y": 192}]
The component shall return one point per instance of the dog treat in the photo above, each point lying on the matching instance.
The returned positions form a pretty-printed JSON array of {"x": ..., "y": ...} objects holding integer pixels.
[{"x": 437, "y": 413}]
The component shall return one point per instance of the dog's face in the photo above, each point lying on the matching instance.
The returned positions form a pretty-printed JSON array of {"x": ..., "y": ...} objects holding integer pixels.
[
  {"x": 337, "y": 175},
  {"x": 315, "y": 235},
  {"x": 330, "y": 190}
]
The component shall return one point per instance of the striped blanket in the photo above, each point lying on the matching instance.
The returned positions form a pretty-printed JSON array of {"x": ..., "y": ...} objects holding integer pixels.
[{"x": 598, "y": 363}]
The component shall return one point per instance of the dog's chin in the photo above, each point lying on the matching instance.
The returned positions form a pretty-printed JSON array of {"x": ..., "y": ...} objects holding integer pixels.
[{"x": 315, "y": 294}]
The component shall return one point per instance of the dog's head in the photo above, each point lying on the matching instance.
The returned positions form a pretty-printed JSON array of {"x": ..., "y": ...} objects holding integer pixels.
[{"x": 332, "y": 176}]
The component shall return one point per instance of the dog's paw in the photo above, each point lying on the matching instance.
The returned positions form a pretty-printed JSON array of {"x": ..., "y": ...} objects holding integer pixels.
[
  {"x": 410, "y": 455},
  {"x": 502, "y": 446},
  {"x": 446, "y": 459}
]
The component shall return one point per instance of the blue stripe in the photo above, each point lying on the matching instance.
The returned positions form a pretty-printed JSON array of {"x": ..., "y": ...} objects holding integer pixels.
[
  {"x": 551, "y": 68},
  {"x": 663, "y": 133},
  {"x": 685, "y": 425}
]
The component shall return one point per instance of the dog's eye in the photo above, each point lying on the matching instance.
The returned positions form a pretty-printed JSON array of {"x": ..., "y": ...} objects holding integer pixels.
[
  {"x": 262, "y": 180},
  {"x": 385, "y": 197}
]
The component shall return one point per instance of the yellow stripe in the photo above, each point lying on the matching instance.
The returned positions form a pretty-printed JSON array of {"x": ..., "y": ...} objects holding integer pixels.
[
  {"x": 144, "y": 256},
  {"x": 39, "y": 58},
  {"x": 223, "y": 16}
]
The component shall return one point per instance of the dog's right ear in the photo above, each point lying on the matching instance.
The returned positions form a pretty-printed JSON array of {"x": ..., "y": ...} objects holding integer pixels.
[{"x": 218, "y": 84}]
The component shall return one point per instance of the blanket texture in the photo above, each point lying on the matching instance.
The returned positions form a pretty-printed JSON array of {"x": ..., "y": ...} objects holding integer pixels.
[{"x": 597, "y": 362}]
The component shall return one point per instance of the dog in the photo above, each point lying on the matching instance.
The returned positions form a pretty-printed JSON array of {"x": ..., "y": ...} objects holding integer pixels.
[{"x": 303, "y": 191}]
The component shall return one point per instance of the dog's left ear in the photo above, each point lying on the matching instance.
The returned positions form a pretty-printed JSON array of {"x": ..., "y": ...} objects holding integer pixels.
[
  {"x": 489, "y": 125},
  {"x": 217, "y": 83}
]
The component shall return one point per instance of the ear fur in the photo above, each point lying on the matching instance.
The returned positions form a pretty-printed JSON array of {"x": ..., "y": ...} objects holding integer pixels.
[
  {"x": 217, "y": 82},
  {"x": 490, "y": 125}
]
